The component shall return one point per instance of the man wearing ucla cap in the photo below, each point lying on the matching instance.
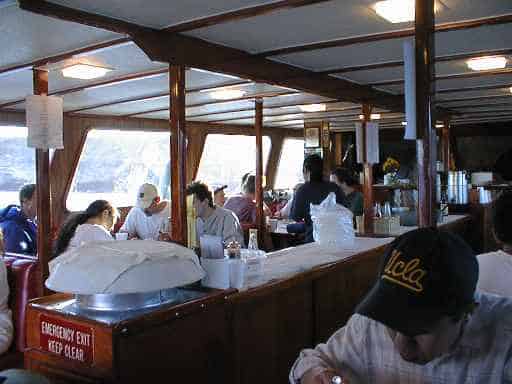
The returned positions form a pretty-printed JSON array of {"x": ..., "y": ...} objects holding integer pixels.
[
  {"x": 150, "y": 216},
  {"x": 422, "y": 323}
]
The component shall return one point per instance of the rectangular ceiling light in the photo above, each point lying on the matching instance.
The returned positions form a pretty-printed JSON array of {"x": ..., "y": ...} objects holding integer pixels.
[
  {"x": 84, "y": 71},
  {"x": 486, "y": 63},
  {"x": 399, "y": 11}
]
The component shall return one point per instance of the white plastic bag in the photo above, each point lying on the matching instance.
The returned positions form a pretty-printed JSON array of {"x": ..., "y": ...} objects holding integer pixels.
[{"x": 332, "y": 223}]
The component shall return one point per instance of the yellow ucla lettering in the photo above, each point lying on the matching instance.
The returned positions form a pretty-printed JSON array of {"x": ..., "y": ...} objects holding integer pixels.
[{"x": 407, "y": 274}]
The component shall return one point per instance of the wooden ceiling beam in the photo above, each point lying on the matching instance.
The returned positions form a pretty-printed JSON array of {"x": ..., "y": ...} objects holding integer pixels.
[
  {"x": 194, "y": 52},
  {"x": 475, "y": 88},
  {"x": 453, "y": 76},
  {"x": 211, "y": 102},
  {"x": 483, "y": 97},
  {"x": 409, "y": 32},
  {"x": 240, "y": 14},
  {"x": 399, "y": 63},
  {"x": 64, "y": 56},
  {"x": 267, "y": 107}
]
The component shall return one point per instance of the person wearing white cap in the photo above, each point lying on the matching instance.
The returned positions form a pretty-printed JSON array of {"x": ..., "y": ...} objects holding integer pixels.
[{"x": 150, "y": 216}]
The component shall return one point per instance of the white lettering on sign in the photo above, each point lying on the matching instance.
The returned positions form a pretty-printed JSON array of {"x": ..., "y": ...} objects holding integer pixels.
[{"x": 67, "y": 339}]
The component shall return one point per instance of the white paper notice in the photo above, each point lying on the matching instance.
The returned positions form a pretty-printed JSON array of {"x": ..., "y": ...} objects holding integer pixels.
[
  {"x": 44, "y": 115},
  {"x": 372, "y": 154}
]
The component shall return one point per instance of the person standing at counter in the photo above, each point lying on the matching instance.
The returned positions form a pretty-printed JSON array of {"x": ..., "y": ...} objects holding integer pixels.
[
  {"x": 211, "y": 219},
  {"x": 150, "y": 216},
  {"x": 344, "y": 179},
  {"x": 421, "y": 323},
  {"x": 496, "y": 267},
  {"x": 94, "y": 224},
  {"x": 314, "y": 191}
]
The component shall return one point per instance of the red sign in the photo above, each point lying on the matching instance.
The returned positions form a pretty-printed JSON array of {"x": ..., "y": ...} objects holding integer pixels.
[{"x": 69, "y": 340}]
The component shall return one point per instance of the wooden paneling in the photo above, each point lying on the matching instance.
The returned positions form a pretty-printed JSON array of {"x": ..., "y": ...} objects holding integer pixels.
[{"x": 276, "y": 151}]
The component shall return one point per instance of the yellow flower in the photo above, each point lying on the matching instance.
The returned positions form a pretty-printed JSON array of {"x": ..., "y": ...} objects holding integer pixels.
[{"x": 390, "y": 165}]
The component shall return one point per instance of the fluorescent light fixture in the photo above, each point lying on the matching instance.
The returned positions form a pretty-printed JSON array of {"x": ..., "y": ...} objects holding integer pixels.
[
  {"x": 404, "y": 123},
  {"x": 312, "y": 107},
  {"x": 373, "y": 116},
  {"x": 439, "y": 125},
  {"x": 486, "y": 63},
  {"x": 84, "y": 71},
  {"x": 510, "y": 89},
  {"x": 399, "y": 11},
  {"x": 227, "y": 94}
]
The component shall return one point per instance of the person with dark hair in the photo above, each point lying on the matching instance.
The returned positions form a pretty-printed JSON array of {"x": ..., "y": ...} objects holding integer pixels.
[
  {"x": 18, "y": 223},
  {"x": 314, "y": 191},
  {"x": 344, "y": 179},
  {"x": 149, "y": 219},
  {"x": 94, "y": 224},
  {"x": 496, "y": 267},
  {"x": 422, "y": 322},
  {"x": 211, "y": 219}
]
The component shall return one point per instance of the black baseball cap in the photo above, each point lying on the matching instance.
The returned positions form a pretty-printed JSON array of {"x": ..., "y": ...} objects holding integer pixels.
[
  {"x": 220, "y": 188},
  {"x": 425, "y": 274}
]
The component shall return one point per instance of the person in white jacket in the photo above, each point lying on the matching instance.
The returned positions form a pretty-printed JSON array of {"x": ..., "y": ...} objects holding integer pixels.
[
  {"x": 94, "y": 224},
  {"x": 496, "y": 267},
  {"x": 6, "y": 327},
  {"x": 422, "y": 323}
]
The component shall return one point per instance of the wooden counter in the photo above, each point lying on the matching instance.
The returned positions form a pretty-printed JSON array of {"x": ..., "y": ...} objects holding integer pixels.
[
  {"x": 231, "y": 337},
  {"x": 251, "y": 336}
]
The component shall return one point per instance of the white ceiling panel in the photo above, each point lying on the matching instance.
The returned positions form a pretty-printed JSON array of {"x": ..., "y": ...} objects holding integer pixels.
[
  {"x": 25, "y": 36},
  {"x": 159, "y": 13},
  {"x": 478, "y": 93},
  {"x": 16, "y": 86},
  {"x": 330, "y": 20},
  {"x": 447, "y": 43},
  {"x": 132, "y": 107}
]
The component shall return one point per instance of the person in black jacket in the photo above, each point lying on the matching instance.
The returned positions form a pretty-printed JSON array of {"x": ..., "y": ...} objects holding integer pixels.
[{"x": 314, "y": 191}]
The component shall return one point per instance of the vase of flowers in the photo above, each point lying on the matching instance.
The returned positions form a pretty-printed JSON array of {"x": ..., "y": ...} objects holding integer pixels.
[{"x": 390, "y": 168}]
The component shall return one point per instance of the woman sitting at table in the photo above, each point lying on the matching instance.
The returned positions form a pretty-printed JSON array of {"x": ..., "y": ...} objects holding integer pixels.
[
  {"x": 343, "y": 178},
  {"x": 94, "y": 224}
]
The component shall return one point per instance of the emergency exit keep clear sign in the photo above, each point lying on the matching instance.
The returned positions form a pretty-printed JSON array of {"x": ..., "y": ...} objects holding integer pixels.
[{"x": 71, "y": 341}]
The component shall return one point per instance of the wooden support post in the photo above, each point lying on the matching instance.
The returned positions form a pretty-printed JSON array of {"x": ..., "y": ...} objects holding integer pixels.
[
  {"x": 178, "y": 228},
  {"x": 425, "y": 89},
  {"x": 445, "y": 144},
  {"x": 44, "y": 222},
  {"x": 368, "y": 176},
  {"x": 338, "y": 149},
  {"x": 258, "y": 128}
]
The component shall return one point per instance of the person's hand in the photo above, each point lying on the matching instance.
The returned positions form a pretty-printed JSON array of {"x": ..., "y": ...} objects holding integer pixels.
[
  {"x": 320, "y": 375},
  {"x": 164, "y": 236}
]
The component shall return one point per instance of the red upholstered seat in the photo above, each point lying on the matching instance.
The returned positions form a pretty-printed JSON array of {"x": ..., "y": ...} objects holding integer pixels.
[{"x": 22, "y": 276}]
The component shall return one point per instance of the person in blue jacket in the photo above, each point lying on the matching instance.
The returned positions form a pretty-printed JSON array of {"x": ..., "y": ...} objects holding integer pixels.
[{"x": 18, "y": 223}]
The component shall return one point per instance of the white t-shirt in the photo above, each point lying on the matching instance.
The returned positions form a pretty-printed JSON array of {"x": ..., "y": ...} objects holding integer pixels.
[
  {"x": 86, "y": 233},
  {"x": 363, "y": 352},
  {"x": 144, "y": 226},
  {"x": 495, "y": 273},
  {"x": 6, "y": 327}
]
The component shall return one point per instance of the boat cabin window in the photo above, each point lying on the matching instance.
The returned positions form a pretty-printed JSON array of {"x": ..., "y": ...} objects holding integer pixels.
[
  {"x": 289, "y": 169},
  {"x": 226, "y": 158},
  {"x": 17, "y": 163},
  {"x": 113, "y": 165}
]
